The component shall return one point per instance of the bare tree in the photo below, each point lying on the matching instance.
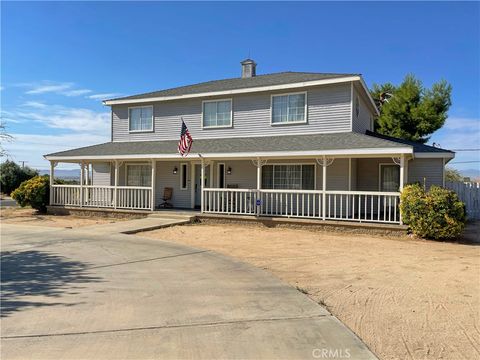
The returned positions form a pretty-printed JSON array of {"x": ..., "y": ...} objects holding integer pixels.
[{"x": 4, "y": 137}]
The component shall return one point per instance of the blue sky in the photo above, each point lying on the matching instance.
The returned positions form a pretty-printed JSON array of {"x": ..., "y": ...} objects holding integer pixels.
[{"x": 59, "y": 59}]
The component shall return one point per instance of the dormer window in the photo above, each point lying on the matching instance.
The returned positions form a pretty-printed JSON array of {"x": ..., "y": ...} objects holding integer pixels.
[
  {"x": 289, "y": 108},
  {"x": 217, "y": 113},
  {"x": 140, "y": 119}
]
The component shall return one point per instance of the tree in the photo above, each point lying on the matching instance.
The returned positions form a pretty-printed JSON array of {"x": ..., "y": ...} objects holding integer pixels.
[
  {"x": 4, "y": 136},
  {"x": 34, "y": 193},
  {"x": 453, "y": 175},
  {"x": 410, "y": 111},
  {"x": 12, "y": 175}
]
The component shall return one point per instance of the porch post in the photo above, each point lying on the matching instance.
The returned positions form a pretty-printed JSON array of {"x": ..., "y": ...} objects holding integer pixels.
[
  {"x": 52, "y": 174},
  {"x": 202, "y": 181},
  {"x": 154, "y": 170},
  {"x": 82, "y": 179},
  {"x": 402, "y": 180},
  {"x": 402, "y": 171},
  {"x": 211, "y": 175},
  {"x": 324, "y": 187},
  {"x": 115, "y": 190},
  {"x": 259, "y": 174}
]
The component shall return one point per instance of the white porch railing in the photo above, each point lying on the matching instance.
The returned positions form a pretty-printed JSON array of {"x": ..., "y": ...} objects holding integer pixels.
[
  {"x": 361, "y": 206},
  {"x": 130, "y": 197},
  {"x": 127, "y": 197},
  {"x": 65, "y": 195},
  {"x": 230, "y": 201}
]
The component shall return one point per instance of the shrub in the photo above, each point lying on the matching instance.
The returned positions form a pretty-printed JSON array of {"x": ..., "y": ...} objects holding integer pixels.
[
  {"x": 34, "y": 192},
  {"x": 12, "y": 175},
  {"x": 436, "y": 214}
]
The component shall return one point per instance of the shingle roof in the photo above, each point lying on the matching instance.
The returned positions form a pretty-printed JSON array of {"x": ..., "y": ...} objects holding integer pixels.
[
  {"x": 417, "y": 147},
  {"x": 311, "y": 142},
  {"x": 238, "y": 83}
]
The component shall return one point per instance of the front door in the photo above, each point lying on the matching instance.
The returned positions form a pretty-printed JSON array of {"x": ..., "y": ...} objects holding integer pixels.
[{"x": 198, "y": 188}]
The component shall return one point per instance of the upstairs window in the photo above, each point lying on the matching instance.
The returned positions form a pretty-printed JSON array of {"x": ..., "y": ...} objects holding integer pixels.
[
  {"x": 140, "y": 118},
  {"x": 290, "y": 108},
  {"x": 217, "y": 113},
  {"x": 290, "y": 177}
]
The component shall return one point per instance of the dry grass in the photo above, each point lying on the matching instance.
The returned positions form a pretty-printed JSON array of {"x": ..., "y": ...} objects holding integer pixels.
[
  {"x": 28, "y": 216},
  {"x": 405, "y": 298}
]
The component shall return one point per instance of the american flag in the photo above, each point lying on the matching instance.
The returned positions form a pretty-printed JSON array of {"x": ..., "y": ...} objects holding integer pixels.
[{"x": 185, "y": 143}]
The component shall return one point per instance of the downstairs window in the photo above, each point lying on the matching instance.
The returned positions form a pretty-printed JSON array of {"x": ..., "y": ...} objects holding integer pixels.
[
  {"x": 289, "y": 177},
  {"x": 139, "y": 175}
]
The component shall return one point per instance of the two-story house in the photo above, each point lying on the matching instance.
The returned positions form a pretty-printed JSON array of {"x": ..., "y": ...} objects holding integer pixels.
[{"x": 284, "y": 144}]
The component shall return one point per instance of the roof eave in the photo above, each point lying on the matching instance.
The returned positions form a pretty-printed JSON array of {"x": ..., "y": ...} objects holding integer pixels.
[
  {"x": 364, "y": 152},
  {"x": 435, "y": 155},
  {"x": 242, "y": 91}
]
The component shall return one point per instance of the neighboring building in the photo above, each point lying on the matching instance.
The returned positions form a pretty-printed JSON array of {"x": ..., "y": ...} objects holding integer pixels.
[{"x": 264, "y": 145}]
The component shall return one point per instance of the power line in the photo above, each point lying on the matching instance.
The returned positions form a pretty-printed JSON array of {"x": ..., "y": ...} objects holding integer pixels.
[
  {"x": 465, "y": 162},
  {"x": 465, "y": 149}
]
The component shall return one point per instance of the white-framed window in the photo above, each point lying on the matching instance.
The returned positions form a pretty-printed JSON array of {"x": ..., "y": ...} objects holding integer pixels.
[
  {"x": 289, "y": 108},
  {"x": 140, "y": 118},
  {"x": 217, "y": 113},
  {"x": 183, "y": 176},
  {"x": 289, "y": 176},
  {"x": 138, "y": 175},
  {"x": 389, "y": 179}
]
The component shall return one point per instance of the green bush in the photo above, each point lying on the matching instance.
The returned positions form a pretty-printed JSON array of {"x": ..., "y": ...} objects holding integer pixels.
[
  {"x": 436, "y": 214},
  {"x": 12, "y": 175},
  {"x": 34, "y": 192}
]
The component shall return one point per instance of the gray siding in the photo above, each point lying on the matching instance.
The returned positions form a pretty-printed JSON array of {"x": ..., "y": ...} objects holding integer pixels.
[
  {"x": 354, "y": 175},
  {"x": 329, "y": 111},
  {"x": 337, "y": 175},
  {"x": 101, "y": 174},
  {"x": 418, "y": 169},
  {"x": 368, "y": 173},
  {"x": 363, "y": 120},
  {"x": 166, "y": 178},
  {"x": 429, "y": 169},
  {"x": 244, "y": 174}
]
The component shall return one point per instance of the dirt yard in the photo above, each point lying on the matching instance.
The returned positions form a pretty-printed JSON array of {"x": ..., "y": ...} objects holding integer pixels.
[
  {"x": 406, "y": 298},
  {"x": 28, "y": 216}
]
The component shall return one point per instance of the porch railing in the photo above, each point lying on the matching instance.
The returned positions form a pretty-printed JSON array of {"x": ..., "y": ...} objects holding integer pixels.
[
  {"x": 123, "y": 197},
  {"x": 361, "y": 206}
]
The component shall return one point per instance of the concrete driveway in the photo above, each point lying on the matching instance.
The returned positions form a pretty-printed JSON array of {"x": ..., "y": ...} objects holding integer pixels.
[{"x": 79, "y": 294}]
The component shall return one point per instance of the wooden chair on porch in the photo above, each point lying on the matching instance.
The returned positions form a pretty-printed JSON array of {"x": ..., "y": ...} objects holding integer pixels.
[{"x": 167, "y": 196}]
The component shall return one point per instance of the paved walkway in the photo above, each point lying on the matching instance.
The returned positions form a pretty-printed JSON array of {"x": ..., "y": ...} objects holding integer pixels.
[
  {"x": 151, "y": 222},
  {"x": 81, "y": 294}
]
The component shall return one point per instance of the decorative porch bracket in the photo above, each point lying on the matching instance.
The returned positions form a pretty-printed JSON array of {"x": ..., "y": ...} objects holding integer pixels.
[
  {"x": 396, "y": 160},
  {"x": 259, "y": 162},
  {"x": 324, "y": 162}
]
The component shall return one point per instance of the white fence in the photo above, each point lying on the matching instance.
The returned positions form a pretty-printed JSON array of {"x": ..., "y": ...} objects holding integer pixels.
[
  {"x": 123, "y": 197},
  {"x": 469, "y": 193},
  {"x": 359, "y": 206}
]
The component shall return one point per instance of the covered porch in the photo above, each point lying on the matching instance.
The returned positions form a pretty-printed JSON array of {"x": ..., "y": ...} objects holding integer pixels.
[
  {"x": 341, "y": 187},
  {"x": 340, "y": 176}
]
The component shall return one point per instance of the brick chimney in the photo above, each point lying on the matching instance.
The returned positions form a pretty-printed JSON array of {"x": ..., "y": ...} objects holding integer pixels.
[{"x": 248, "y": 68}]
